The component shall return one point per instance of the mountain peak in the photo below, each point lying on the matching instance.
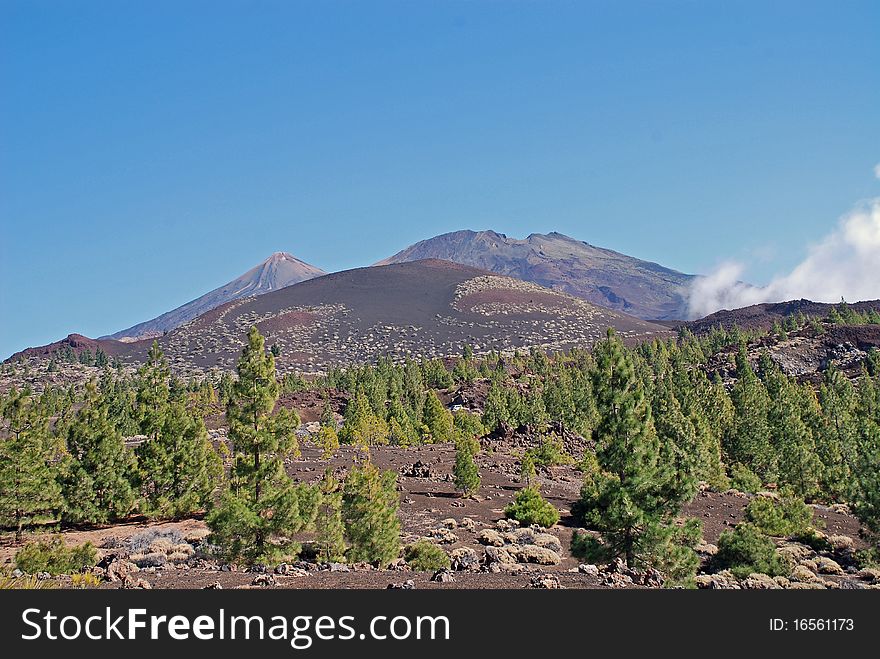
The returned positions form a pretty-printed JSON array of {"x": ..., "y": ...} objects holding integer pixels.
[
  {"x": 601, "y": 276},
  {"x": 278, "y": 270}
]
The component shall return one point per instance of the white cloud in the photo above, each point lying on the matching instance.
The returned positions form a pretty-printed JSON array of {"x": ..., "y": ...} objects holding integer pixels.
[
  {"x": 877, "y": 170},
  {"x": 846, "y": 263}
]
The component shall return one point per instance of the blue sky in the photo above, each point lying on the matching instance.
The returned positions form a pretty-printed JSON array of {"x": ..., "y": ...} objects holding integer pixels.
[{"x": 150, "y": 151}]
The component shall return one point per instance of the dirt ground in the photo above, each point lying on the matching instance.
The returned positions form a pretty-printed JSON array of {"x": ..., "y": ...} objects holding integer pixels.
[{"x": 427, "y": 502}]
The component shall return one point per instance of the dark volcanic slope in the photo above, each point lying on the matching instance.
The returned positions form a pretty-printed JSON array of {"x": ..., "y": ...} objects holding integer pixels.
[
  {"x": 762, "y": 316},
  {"x": 279, "y": 270},
  {"x": 601, "y": 276},
  {"x": 420, "y": 309}
]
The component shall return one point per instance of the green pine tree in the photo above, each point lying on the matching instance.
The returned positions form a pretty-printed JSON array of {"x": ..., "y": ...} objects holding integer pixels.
[
  {"x": 495, "y": 412},
  {"x": 437, "y": 419},
  {"x": 153, "y": 392},
  {"x": 748, "y": 441},
  {"x": 179, "y": 470},
  {"x": 28, "y": 470},
  {"x": 634, "y": 499},
  {"x": 362, "y": 427},
  {"x": 466, "y": 472},
  {"x": 96, "y": 481},
  {"x": 258, "y": 514},
  {"x": 369, "y": 511},
  {"x": 838, "y": 435},
  {"x": 329, "y": 527}
]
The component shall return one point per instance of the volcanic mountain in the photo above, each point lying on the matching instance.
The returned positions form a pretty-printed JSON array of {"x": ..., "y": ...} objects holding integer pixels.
[
  {"x": 426, "y": 308},
  {"x": 279, "y": 270},
  {"x": 601, "y": 276}
]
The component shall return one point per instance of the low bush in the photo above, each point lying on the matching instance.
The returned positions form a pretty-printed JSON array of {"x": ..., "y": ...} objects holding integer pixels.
[
  {"x": 54, "y": 557},
  {"x": 788, "y": 516},
  {"x": 813, "y": 540},
  {"x": 745, "y": 550},
  {"x": 85, "y": 580},
  {"x": 29, "y": 582},
  {"x": 550, "y": 452},
  {"x": 529, "y": 507},
  {"x": 588, "y": 547},
  {"x": 425, "y": 556},
  {"x": 744, "y": 479}
]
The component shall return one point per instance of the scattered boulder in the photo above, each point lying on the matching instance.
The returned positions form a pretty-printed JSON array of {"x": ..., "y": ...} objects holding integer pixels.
[
  {"x": 498, "y": 555},
  {"x": 826, "y": 565},
  {"x": 616, "y": 580},
  {"x": 263, "y": 581},
  {"x": 505, "y": 524},
  {"x": 795, "y": 552},
  {"x": 545, "y": 581},
  {"x": 288, "y": 570},
  {"x": 534, "y": 554},
  {"x": 132, "y": 582},
  {"x": 417, "y": 470},
  {"x": 803, "y": 574},
  {"x": 806, "y": 585},
  {"x": 464, "y": 558},
  {"x": 118, "y": 569},
  {"x": 213, "y": 586},
  {"x": 443, "y": 576},
  {"x": 706, "y": 549},
  {"x": 409, "y": 584},
  {"x": 586, "y": 568},
  {"x": 758, "y": 581},
  {"x": 721, "y": 581},
  {"x": 841, "y": 543},
  {"x": 490, "y": 537},
  {"x": 398, "y": 564},
  {"x": 869, "y": 574},
  {"x": 444, "y": 536}
]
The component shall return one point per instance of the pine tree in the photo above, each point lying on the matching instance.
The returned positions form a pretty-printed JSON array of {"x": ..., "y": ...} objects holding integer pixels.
[
  {"x": 677, "y": 438},
  {"x": 749, "y": 439},
  {"x": 257, "y": 516},
  {"x": 866, "y": 500},
  {"x": 837, "y": 437},
  {"x": 328, "y": 440},
  {"x": 799, "y": 464},
  {"x": 635, "y": 497},
  {"x": 495, "y": 412},
  {"x": 96, "y": 481},
  {"x": 28, "y": 487},
  {"x": 527, "y": 469},
  {"x": 465, "y": 472},
  {"x": 179, "y": 469},
  {"x": 467, "y": 425},
  {"x": 437, "y": 419},
  {"x": 362, "y": 427},
  {"x": 329, "y": 526},
  {"x": 369, "y": 510},
  {"x": 153, "y": 392}
]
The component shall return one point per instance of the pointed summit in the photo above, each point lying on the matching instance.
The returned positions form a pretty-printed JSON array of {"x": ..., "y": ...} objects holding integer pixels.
[{"x": 277, "y": 271}]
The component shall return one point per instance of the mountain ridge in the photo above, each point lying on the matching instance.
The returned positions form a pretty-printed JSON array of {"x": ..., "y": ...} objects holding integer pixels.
[{"x": 602, "y": 276}]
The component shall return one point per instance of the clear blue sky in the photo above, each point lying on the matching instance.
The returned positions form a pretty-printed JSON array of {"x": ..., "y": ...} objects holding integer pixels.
[{"x": 152, "y": 150}]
